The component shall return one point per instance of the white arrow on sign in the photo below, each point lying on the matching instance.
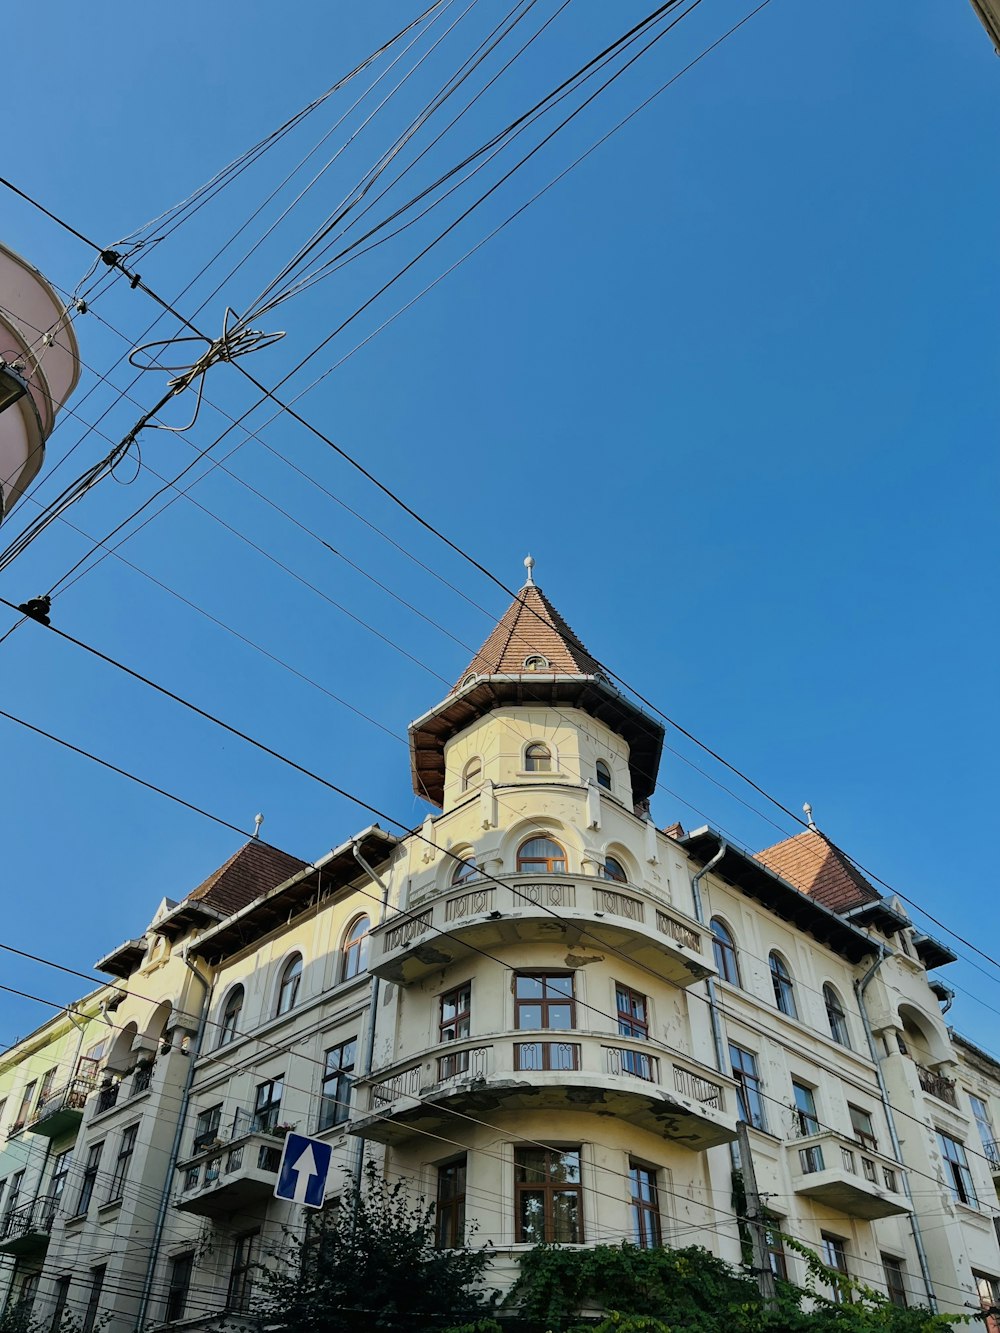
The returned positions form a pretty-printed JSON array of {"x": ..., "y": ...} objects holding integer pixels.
[{"x": 305, "y": 1167}]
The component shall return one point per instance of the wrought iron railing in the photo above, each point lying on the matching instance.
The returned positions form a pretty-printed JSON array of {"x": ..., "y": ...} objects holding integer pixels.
[
  {"x": 107, "y": 1097},
  {"x": 539, "y": 1056},
  {"x": 471, "y": 1063},
  {"x": 405, "y": 1084},
  {"x": 937, "y": 1085},
  {"x": 701, "y": 1089},
  {"x": 637, "y": 1064},
  {"x": 72, "y": 1097},
  {"x": 34, "y": 1218}
]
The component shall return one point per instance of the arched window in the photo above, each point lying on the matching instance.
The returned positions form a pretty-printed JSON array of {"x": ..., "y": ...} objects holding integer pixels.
[
  {"x": 465, "y": 869},
  {"x": 781, "y": 980},
  {"x": 614, "y": 869},
  {"x": 724, "y": 947},
  {"x": 541, "y": 856},
  {"x": 288, "y": 990},
  {"x": 472, "y": 773},
  {"x": 603, "y": 775},
  {"x": 836, "y": 1017},
  {"x": 536, "y": 663},
  {"x": 355, "y": 949},
  {"x": 538, "y": 759},
  {"x": 229, "y": 1026}
]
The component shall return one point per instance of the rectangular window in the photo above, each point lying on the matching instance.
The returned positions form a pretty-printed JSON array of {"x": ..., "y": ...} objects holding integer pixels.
[
  {"x": 805, "y": 1110},
  {"x": 89, "y": 1064},
  {"x": 26, "y": 1295},
  {"x": 122, "y": 1162},
  {"x": 644, "y": 1207},
  {"x": 178, "y": 1285},
  {"x": 454, "y": 1023},
  {"x": 988, "y": 1289},
  {"x": 206, "y": 1127},
  {"x": 27, "y": 1097},
  {"x": 548, "y": 1196},
  {"x": 776, "y": 1252},
  {"x": 90, "y": 1169},
  {"x": 13, "y": 1198},
  {"x": 335, "y": 1091},
  {"x": 45, "y": 1091},
  {"x": 748, "y": 1087},
  {"x": 544, "y": 1000},
  {"x": 984, "y": 1121},
  {"x": 245, "y": 1249},
  {"x": 633, "y": 1012},
  {"x": 834, "y": 1254},
  {"x": 895, "y": 1281},
  {"x": 3, "y": 1110},
  {"x": 864, "y": 1130},
  {"x": 59, "y": 1309},
  {"x": 94, "y": 1298},
  {"x": 57, "y": 1185},
  {"x": 450, "y": 1215},
  {"x": 956, "y": 1171},
  {"x": 267, "y": 1104}
]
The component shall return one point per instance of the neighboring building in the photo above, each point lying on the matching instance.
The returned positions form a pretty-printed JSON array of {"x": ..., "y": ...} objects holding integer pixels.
[
  {"x": 572, "y": 1011},
  {"x": 39, "y": 368}
]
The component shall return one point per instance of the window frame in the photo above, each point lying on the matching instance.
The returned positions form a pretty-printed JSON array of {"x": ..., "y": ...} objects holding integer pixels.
[
  {"x": 608, "y": 874},
  {"x": 558, "y": 999},
  {"x": 62, "y": 1285},
  {"x": 748, "y": 1087},
  {"x": 449, "y": 1215},
  {"x": 549, "y": 1188},
  {"x": 231, "y": 1011},
  {"x": 206, "y": 1126},
  {"x": 833, "y": 1252},
  {"x": 960, "y": 1185},
  {"x": 88, "y": 1178},
  {"x": 472, "y": 776},
  {"x": 538, "y": 758},
  {"x": 179, "y": 1274},
  {"x": 783, "y": 984},
  {"x": 465, "y": 869},
  {"x": 123, "y": 1160},
  {"x": 289, "y": 985},
  {"x": 866, "y": 1137},
  {"x": 603, "y": 767},
  {"x": 97, "y": 1276},
  {"x": 836, "y": 1016},
  {"x": 340, "y": 1077},
  {"x": 805, "y": 1108},
  {"x": 896, "y": 1290},
  {"x": 629, "y": 1024},
  {"x": 245, "y": 1246},
  {"x": 266, "y": 1110},
  {"x": 725, "y": 952},
  {"x": 644, "y": 1206},
  {"x": 354, "y": 949},
  {"x": 531, "y": 865}
]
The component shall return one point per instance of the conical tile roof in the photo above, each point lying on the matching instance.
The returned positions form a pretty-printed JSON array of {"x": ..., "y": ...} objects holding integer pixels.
[
  {"x": 815, "y": 866},
  {"x": 531, "y": 627}
]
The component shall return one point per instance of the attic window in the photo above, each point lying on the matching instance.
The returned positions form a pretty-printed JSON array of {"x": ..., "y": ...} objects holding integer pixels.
[
  {"x": 469, "y": 679},
  {"x": 536, "y": 663}
]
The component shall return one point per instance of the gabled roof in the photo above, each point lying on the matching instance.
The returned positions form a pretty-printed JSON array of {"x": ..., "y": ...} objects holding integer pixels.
[
  {"x": 531, "y": 627},
  {"x": 249, "y": 872},
  {"x": 815, "y": 866}
]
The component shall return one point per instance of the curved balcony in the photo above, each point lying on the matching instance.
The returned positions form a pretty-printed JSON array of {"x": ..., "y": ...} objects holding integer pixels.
[
  {"x": 570, "y": 910},
  {"x": 641, "y": 1082}
]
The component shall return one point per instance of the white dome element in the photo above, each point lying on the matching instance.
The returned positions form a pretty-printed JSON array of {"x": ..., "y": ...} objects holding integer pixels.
[{"x": 37, "y": 347}]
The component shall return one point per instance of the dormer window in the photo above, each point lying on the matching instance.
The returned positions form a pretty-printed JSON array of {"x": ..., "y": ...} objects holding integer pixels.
[
  {"x": 472, "y": 773},
  {"x": 538, "y": 759},
  {"x": 536, "y": 663},
  {"x": 603, "y": 775}
]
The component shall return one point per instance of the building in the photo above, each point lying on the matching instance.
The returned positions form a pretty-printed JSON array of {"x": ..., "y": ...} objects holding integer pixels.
[
  {"x": 548, "y": 1014},
  {"x": 988, "y": 13},
  {"x": 39, "y": 368}
]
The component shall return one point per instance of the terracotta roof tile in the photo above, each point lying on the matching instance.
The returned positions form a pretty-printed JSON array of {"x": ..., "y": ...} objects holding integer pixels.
[
  {"x": 814, "y": 865},
  {"x": 255, "y": 869},
  {"x": 531, "y": 627}
]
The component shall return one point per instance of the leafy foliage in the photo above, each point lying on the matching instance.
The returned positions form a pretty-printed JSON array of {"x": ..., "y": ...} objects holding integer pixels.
[
  {"x": 692, "y": 1291},
  {"x": 370, "y": 1264}
]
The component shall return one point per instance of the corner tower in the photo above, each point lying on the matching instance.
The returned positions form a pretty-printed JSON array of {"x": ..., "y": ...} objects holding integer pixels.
[{"x": 521, "y": 712}]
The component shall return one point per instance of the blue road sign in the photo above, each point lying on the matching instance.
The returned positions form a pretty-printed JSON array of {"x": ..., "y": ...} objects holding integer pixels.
[{"x": 305, "y": 1165}]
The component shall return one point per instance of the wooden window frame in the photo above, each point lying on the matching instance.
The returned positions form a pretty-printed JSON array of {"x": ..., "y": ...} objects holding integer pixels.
[
  {"x": 289, "y": 985},
  {"x": 449, "y": 1222},
  {"x": 607, "y": 873},
  {"x": 783, "y": 984},
  {"x": 724, "y": 950},
  {"x": 229, "y": 1024},
  {"x": 541, "y": 865},
  {"x": 748, "y": 1086},
  {"x": 549, "y": 1189},
  {"x": 628, "y": 1024},
  {"x": 266, "y": 1111},
  {"x": 538, "y": 758},
  {"x": 240, "y": 1288},
  {"x": 354, "y": 950},
  {"x": 559, "y": 998},
  {"x": 836, "y": 1017},
  {"x": 602, "y": 765},
  {"x": 179, "y": 1276},
  {"x": 338, "y": 1077},
  {"x": 647, "y": 1225}
]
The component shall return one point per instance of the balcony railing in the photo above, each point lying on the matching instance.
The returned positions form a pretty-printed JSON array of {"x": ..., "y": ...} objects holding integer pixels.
[
  {"x": 444, "y": 925},
  {"x": 641, "y": 1080},
  {"x": 228, "y": 1169},
  {"x": 142, "y": 1077},
  {"x": 27, "y": 1227},
  {"x": 847, "y": 1175},
  {"x": 107, "y": 1097},
  {"x": 937, "y": 1085},
  {"x": 992, "y": 1150},
  {"x": 60, "y": 1111}
]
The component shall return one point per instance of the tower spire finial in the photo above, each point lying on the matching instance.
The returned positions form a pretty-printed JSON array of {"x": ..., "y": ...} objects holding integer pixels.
[{"x": 529, "y": 564}]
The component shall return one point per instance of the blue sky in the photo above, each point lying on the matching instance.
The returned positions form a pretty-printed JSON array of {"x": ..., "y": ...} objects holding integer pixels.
[{"x": 732, "y": 382}]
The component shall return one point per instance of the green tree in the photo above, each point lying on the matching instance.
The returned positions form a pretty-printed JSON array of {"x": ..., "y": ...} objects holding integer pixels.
[{"x": 368, "y": 1264}]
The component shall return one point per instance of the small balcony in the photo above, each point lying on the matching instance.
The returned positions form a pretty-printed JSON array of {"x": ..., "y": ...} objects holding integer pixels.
[
  {"x": 556, "y": 909},
  {"x": 938, "y": 1086},
  {"x": 992, "y": 1151},
  {"x": 227, "y": 1173},
  {"x": 25, "y": 1230},
  {"x": 847, "y": 1175},
  {"x": 59, "y": 1114},
  {"x": 646, "y": 1084}
]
